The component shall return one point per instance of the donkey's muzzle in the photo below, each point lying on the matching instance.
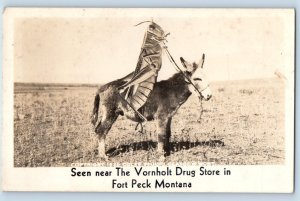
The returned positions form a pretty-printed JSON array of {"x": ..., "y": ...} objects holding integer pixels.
[{"x": 206, "y": 97}]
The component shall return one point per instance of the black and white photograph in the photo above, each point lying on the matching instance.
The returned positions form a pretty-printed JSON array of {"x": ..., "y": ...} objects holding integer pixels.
[{"x": 150, "y": 88}]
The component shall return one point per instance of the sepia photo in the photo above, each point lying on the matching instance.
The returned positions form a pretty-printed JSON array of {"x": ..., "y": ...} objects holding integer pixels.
[{"x": 130, "y": 88}]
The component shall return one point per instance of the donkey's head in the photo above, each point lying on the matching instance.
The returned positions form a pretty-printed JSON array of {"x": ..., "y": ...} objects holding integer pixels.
[{"x": 194, "y": 71}]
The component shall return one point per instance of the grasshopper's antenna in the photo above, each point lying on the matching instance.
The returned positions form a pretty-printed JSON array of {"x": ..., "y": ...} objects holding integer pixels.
[{"x": 143, "y": 22}]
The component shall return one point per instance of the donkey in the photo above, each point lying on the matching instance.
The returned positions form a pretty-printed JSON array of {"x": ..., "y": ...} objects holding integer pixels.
[{"x": 165, "y": 99}]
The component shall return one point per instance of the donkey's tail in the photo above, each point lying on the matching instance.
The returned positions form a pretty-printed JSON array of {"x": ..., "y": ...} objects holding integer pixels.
[{"x": 94, "y": 116}]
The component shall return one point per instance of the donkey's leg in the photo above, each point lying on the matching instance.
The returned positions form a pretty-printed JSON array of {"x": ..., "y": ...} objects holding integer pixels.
[
  {"x": 102, "y": 129},
  {"x": 94, "y": 116},
  {"x": 101, "y": 146},
  {"x": 167, "y": 146},
  {"x": 164, "y": 134}
]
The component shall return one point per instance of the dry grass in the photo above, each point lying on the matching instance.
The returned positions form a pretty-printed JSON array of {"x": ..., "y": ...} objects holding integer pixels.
[{"x": 242, "y": 124}]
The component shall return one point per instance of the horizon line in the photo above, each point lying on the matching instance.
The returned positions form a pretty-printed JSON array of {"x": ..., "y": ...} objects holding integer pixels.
[{"x": 85, "y": 83}]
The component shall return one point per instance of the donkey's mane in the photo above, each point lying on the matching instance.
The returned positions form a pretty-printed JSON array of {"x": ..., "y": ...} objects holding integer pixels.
[
  {"x": 177, "y": 81},
  {"x": 176, "y": 76}
]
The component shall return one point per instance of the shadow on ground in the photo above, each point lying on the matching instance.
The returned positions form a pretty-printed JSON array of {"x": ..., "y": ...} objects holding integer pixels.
[{"x": 150, "y": 145}]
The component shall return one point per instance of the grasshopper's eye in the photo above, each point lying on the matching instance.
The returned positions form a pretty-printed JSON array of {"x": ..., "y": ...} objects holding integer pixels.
[
  {"x": 199, "y": 79},
  {"x": 151, "y": 27}
]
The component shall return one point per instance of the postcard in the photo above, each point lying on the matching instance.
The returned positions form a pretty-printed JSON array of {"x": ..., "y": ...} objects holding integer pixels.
[{"x": 148, "y": 100}]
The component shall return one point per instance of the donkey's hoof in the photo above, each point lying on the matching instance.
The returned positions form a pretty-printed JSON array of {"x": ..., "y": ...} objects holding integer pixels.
[
  {"x": 140, "y": 132},
  {"x": 160, "y": 148},
  {"x": 104, "y": 158},
  {"x": 161, "y": 158}
]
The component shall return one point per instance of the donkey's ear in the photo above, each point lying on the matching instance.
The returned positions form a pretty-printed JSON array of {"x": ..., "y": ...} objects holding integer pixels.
[
  {"x": 183, "y": 62},
  {"x": 190, "y": 67},
  {"x": 201, "y": 62}
]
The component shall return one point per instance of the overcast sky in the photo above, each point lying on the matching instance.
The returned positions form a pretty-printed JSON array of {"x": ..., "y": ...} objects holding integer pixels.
[{"x": 101, "y": 49}]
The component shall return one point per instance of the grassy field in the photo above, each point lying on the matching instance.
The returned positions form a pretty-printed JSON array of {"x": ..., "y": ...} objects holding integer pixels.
[{"x": 243, "y": 124}]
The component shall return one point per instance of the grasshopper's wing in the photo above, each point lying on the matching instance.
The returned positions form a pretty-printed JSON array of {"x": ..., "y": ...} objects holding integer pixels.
[{"x": 138, "y": 89}]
